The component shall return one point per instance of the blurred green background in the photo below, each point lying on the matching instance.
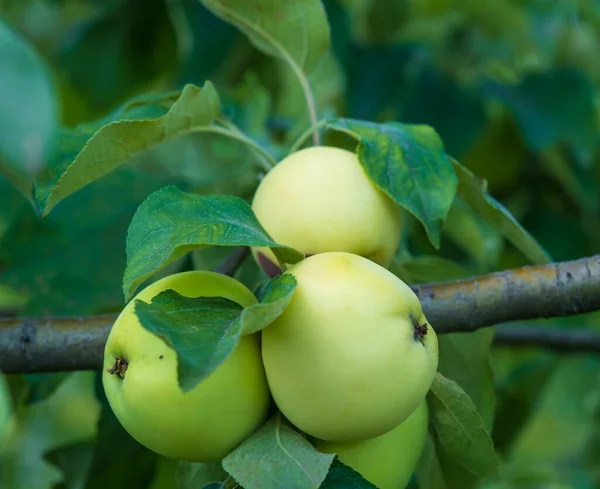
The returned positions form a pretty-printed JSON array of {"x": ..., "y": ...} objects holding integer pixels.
[{"x": 510, "y": 86}]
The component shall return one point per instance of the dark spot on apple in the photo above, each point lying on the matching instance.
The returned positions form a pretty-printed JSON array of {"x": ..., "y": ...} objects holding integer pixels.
[
  {"x": 119, "y": 368},
  {"x": 161, "y": 357},
  {"x": 420, "y": 329},
  {"x": 270, "y": 268}
]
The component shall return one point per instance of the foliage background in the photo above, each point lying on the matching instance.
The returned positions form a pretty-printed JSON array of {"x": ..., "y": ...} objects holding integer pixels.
[{"x": 510, "y": 86}]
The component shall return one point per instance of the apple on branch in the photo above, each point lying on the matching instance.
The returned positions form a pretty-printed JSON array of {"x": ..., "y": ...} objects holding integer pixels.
[
  {"x": 318, "y": 200},
  {"x": 387, "y": 461},
  {"x": 352, "y": 355},
  {"x": 141, "y": 384}
]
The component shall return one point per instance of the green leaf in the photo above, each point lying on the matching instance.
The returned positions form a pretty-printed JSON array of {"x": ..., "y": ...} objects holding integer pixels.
[
  {"x": 563, "y": 420},
  {"x": 133, "y": 468},
  {"x": 460, "y": 429},
  {"x": 68, "y": 416},
  {"x": 276, "y": 455},
  {"x": 69, "y": 142},
  {"x": 170, "y": 223},
  {"x": 193, "y": 475},
  {"x": 204, "y": 331},
  {"x": 340, "y": 476},
  {"x": 74, "y": 462},
  {"x": 456, "y": 476},
  {"x": 408, "y": 163},
  {"x": 465, "y": 359},
  {"x": 428, "y": 268},
  {"x": 28, "y": 110},
  {"x": 295, "y": 32},
  {"x": 72, "y": 262},
  {"x": 120, "y": 141},
  {"x": 474, "y": 236},
  {"x": 474, "y": 191},
  {"x": 428, "y": 472},
  {"x": 274, "y": 297}
]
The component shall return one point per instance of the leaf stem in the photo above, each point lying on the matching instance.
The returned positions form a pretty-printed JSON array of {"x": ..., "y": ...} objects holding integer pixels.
[
  {"x": 310, "y": 101},
  {"x": 285, "y": 55},
  {"x": 265, "y": 159},
  {"x": 183, "y": 31},
  {"x": 313, "y": 129}
]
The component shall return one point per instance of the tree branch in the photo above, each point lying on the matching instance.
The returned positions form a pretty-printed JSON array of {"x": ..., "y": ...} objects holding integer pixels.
[
  {"x": 53, "y": 344},
  {"x": 559, "y": 289},
  {"x": 543, "y": 291},
  {"x": 560, "y": 339}
]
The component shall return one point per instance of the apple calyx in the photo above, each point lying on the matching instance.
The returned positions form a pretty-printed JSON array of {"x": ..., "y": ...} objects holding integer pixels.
[
  {"x": 420, "y": 329},
  {"x": 119, "y": 368}
]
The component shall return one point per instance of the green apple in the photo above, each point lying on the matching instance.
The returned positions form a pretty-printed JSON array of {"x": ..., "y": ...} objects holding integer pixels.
[
  {"x": 319, "y": 199},
  {"x": 140, "y": 380},
  {"x": 6, "y": 411},
  {"x": 352, "y": 355},
  {"x": 387, "y": 461}
]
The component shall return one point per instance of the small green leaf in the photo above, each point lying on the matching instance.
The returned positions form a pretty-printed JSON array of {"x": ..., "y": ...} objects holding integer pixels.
[
  {"x": 277, "y": 456},
  {"x": 274, "y": 297},
  {"x": 474, "y": 191},
  {"x": 341, "y": 476},
  {"x": 170, "y": 223},
  {"x": 28, "y": 110},
  {"x": 120, "y": 141},
  {"x": 296, "y": 32},
  {"x": 408, "y": 163},
  {"x": 203, "y": 331},
  {"x": 460, "y": 429}
]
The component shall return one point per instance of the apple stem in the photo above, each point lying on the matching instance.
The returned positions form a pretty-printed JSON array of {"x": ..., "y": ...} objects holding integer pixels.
[{"x": 119, "y": 368}]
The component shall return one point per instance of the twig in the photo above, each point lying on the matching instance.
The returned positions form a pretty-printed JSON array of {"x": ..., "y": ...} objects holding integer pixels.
[
  {"x": 559, "y": 289},
  {"x": 560, "y": 339},
  {"x": 233, "y": 261},
  {"x": 306, "y": 134},
  {"x": 266, "y": 160}
]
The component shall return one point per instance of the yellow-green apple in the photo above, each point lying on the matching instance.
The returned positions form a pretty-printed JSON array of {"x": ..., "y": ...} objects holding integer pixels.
[
  {"x": 319, "y": 199},
  {"x": 352, "y": 355},
  {"x": 387, "y": 461},
  {"x": 140, "y": 380}
]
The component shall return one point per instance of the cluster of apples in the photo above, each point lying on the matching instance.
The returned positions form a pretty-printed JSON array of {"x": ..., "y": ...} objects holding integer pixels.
[{"x": 349, "y": 361}]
